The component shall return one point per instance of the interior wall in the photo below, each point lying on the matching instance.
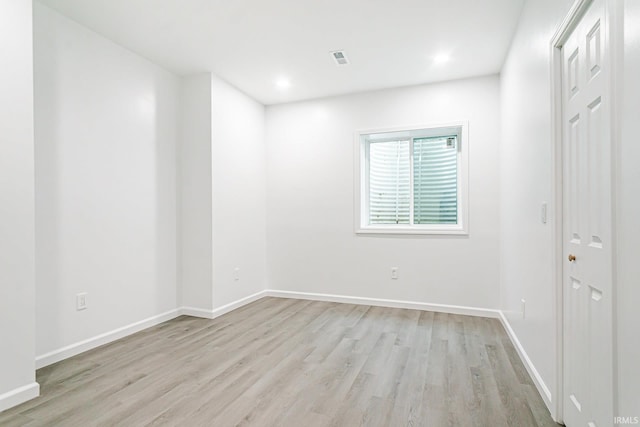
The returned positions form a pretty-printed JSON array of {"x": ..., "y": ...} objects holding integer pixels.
[
  {"x": 17, "y": 317},
  {"x": 106, "y": 130},
  {"x": 223, "y": 195},
  {"x": 311, "y": 244},
  {"x": 195, "y": 212},
  {"x": 628, "y": 212},
  {"x": 526, "y": 269},
  {"x": 239, "y": 194}
]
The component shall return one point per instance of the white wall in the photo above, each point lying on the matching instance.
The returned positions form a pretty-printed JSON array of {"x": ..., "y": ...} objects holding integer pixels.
[
  {"x": 223, "y": 199},
  {"x": 106, "y": 130},
  {"x": 195, "y": 213},
  {"x": 17, "y": 328},
  {"x": 239, "y": 193},
  {"x": 628, "y": 212},
  {"x": 311, "y": 244},
  {"x": 526, "y": 269}
]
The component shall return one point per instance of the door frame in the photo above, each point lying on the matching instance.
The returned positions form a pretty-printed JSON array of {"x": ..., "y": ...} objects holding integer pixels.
[{"x": 614, "y": 39}]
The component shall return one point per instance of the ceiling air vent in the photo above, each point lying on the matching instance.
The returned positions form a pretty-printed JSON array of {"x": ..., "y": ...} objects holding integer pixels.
[{"x": 340, "y": 57}]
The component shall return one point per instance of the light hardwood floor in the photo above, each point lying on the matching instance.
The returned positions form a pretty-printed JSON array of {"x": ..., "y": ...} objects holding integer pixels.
[{"x": 286, "y": 362}]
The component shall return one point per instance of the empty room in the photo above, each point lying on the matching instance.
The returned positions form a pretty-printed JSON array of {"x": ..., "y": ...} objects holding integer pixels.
[{"x": 319, "y": 213}]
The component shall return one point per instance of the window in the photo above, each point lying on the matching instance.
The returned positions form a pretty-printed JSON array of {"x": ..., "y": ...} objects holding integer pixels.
[{"x": 412, "y": 181}]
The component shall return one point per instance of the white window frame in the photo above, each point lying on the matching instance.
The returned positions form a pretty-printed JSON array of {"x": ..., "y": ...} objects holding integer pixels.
[{"x": 361, "y": 181}]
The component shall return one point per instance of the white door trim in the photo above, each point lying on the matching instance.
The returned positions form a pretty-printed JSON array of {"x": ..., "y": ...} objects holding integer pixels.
[
  {"x": 614, "y": 40},
  {"x": 562, "y": 33}
]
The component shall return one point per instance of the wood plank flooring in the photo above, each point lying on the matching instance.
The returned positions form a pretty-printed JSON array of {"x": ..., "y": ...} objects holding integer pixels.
[{"x": 285, "y": 362}]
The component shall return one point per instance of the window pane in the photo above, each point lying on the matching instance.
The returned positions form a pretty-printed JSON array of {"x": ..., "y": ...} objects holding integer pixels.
[
  {"x": 389, "y": 181},
  {"x": 435, "y": 180}
]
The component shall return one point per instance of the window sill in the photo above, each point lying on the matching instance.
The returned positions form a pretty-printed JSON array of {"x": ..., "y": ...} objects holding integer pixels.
[{"x": 457, "y": 231}]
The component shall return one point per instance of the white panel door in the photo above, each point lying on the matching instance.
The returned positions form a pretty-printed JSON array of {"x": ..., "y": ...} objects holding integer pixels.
[{"x": 587, "y": 240}]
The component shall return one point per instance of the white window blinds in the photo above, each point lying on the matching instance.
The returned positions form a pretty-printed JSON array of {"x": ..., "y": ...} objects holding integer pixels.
[{"x": 389, "y": 182}]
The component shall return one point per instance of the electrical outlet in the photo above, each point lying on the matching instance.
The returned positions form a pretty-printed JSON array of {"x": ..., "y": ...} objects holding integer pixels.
[
  {"x": 394, "y": 273},
  {"x": 523, "y": 306},
  {"x": 81, "y": 301},
  {"x": 236, "y": 274}
]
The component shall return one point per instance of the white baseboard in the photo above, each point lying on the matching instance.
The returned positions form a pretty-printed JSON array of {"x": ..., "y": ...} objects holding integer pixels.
[
  {"x": 196, "y": 312},
  {"x": 105, "y": 338},
  {"x": 102, "y": 339},
  {"x": 533, "y": 372},
  {"x": 32, "y": 390},
  {"x": 216, "y": 312},
  {"x": 442, "y": 308},
  {"x": 19, "y": 395}
]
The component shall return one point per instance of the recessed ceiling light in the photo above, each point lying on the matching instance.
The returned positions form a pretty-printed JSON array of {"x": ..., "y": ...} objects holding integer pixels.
[
  {"x": 441, "y": 58},
  {"x": 283, "y": 83}
]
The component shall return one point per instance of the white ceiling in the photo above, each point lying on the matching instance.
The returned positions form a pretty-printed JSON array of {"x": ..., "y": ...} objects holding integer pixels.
[{"x": 253, "y": 43}]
